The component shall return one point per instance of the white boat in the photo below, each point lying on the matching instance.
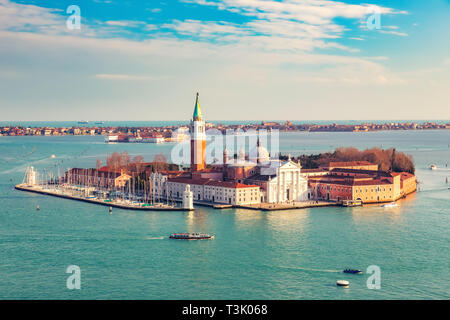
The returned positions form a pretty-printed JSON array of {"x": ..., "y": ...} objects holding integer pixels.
[
  {"x": 433, "y": 167},
  {"x": 390, "y": 205},
  {"x": 342, "y": 283},
  {"x": 112, "y": 138}
]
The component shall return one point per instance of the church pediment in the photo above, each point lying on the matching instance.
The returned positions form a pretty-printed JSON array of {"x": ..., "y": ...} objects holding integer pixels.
[{"x": 289, "y": 165}]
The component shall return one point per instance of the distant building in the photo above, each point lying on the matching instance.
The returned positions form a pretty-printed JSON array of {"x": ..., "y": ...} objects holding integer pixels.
[
  {"x": 360, "y": 165},
  {"x": 96, "y": 178},
  {"x": 368, "y": 186},
  {"x": 205, "y": 190}
]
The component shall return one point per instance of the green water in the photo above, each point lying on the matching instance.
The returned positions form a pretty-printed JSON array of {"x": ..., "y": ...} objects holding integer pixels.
[{"x": 294, "y": 254}]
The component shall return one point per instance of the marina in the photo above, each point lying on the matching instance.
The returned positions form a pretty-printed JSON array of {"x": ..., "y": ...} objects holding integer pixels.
[{"x": 104, "y": 202}]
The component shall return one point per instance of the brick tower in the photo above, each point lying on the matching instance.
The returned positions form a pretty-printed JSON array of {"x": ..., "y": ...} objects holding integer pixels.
[{"x": 198, "y": 139}]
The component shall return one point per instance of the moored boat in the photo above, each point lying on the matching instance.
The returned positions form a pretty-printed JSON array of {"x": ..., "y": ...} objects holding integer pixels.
[{"x": 191, "y": 236}]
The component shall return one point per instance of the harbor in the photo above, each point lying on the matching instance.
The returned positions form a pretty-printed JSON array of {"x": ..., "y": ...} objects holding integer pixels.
[{"x": 111, "y": 191}]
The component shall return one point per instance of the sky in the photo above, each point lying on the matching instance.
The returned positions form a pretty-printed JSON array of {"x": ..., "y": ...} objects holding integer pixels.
[{"x": 248, "y": 59}]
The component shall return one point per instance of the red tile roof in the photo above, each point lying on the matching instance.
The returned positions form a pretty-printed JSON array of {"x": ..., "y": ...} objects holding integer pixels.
[
  {"x": 406, "y": 175},
  {"x": 230, "y": 184},
  {"x": 350, "y": 163},
  {"x": 186, "y": 180},
  {"x": 209, "y": 182},
  {"x": 350, "y": 181},
  {"x": 313, "y": 170}
]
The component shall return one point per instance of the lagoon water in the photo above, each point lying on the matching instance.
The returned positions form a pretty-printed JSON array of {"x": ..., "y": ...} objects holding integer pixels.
[{"x": 296, "y": 254}]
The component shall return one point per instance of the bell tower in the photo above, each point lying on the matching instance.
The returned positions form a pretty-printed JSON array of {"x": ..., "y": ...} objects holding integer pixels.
[{"x": 198, "y": 139}]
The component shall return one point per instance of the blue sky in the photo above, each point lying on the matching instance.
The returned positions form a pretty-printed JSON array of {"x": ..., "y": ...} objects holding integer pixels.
[{"x": 249, "y": 59}]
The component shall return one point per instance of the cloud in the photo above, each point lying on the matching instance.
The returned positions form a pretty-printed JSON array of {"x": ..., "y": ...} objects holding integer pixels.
[
  {"x": 270, "y": 58},
  {"x": 301, "y": 25},
  {"x": 312, "y": 12},
  {"x": 205, "y": 29},
  {"x": 20, "y": 17},
  {"x": 395, "y": 33},
  {"x": 121, "y": 77}
]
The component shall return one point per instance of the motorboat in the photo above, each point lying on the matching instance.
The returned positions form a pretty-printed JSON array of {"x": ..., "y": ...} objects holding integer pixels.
[
  {"x": 390, "y": 205},
  {"x": 191, "y": 236},
  {"x": 353, "y": 271},
  {"x": 433, "y": 167},
  {"x": 342, "y": 283}
]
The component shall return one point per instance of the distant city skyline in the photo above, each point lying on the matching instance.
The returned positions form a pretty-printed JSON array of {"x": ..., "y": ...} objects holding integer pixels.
[{"x": 296, "y": 60}]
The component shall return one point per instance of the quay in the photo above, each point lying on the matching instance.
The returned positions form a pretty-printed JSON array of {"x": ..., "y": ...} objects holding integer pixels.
[
  {"x": 290, "y": 206},
  {"x": 161, "y": 207}
]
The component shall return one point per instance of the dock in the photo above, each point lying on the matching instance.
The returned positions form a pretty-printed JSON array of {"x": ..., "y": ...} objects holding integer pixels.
[{"x": 114, "y": 204}]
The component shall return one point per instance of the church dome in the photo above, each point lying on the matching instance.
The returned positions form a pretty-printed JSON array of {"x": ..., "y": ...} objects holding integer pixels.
[
  {"x": 241, "y": 155},
  {"x": 259, "y": 154}
]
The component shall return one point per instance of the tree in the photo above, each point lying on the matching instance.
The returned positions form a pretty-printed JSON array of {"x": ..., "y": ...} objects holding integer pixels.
[
  {"x": 160, "y": 158},
  {"x": 386, "y": 160},
  {"x": 138, "y": 160}
]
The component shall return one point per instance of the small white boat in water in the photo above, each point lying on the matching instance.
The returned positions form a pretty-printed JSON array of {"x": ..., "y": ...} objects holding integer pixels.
[
  {"x": 390, "y": 205},
  {"x": 342, "y": 283},
  {"x": 433, "y": 167}
]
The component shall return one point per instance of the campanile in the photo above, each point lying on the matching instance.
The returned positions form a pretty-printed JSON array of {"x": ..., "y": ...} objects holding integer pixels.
[{"x": 198, "y": 139}]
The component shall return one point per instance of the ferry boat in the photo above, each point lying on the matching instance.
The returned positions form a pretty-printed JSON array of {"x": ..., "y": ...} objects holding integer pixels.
[
  {"x": 191, "y": 236},
  {"x": 351, "y": 203},
  {"x": 353, "y": 271}
]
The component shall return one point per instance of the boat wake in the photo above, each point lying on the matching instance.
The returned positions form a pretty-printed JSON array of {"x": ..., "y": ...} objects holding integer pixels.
[
  {"x": 154, "y": 238},
  {"x": 309, "y": 269}
]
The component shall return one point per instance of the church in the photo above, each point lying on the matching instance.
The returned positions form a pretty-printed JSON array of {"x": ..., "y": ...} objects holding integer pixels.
[{"x": 246, "y": 180}]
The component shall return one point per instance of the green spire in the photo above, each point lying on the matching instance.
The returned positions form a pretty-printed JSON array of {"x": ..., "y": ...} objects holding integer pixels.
[{"x": 197, "y": 112}]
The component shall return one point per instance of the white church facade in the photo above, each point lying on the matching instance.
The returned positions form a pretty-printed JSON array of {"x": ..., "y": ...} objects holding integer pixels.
[{"x": 288, "y": 185}]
